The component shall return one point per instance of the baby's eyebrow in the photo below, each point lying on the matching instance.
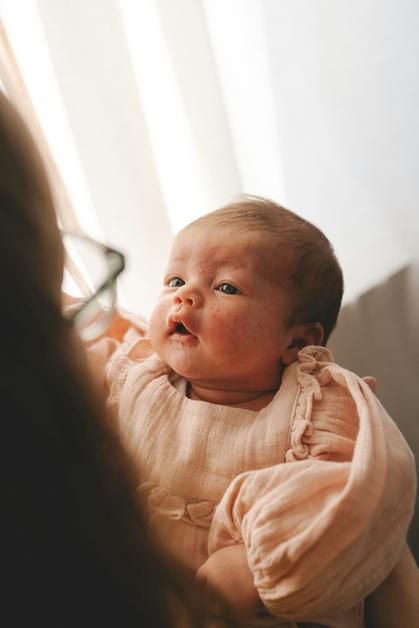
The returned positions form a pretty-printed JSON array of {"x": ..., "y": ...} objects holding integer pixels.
[
  {"x": 230, "y": 261},
  {"x": 210, "y": 263}
]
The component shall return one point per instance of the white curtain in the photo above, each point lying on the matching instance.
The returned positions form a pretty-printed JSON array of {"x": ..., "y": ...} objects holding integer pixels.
[{"x": 157, "y": 111}]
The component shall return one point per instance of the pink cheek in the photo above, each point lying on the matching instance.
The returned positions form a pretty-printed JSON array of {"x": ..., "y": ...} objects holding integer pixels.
[
  {"x": 256, "y": 331},
  {"x": 157, "y": 319},
  {"x": 227, "y": 330},
  {"x": 158, "y": 311},
  {"x": 236, "y": 333}
]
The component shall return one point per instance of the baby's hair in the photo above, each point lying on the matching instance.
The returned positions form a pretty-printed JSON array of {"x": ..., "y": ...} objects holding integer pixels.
[{"x": 305, "y": 256}]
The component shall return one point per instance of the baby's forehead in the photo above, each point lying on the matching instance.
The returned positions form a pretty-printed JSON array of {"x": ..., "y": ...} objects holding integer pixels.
[
  {"x": 221, "y": 244},
  {"x": 210, "y": 247}
]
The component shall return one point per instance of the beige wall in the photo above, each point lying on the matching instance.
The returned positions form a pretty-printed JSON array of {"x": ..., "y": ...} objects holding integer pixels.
[{"x": 378, "y": 334}]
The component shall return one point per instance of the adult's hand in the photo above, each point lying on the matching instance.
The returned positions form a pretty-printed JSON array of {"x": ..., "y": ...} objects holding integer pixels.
[
  {"x": 395, "y": 603},
  {"x": 227, "y": 572}
]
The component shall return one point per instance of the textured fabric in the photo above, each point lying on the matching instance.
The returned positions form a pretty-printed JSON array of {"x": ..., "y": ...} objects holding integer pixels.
[{"x": 319, "y": 485}]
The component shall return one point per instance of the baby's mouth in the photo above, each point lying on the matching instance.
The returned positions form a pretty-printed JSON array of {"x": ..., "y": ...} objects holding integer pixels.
[
  {"x": 181, "y": 329},
  {"x": 176, "y": 327}
]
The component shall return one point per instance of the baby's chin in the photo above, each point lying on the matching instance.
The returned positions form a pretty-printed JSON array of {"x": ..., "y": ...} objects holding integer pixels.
[
  {"x": 190, "y": 371},
  {"x": 183, "y": 370}
]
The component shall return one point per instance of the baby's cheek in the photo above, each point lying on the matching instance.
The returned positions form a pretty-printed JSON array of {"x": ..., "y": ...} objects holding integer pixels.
[
  {"x": 157, "y": 321},
  {"x": 229, "y": 331},
  {"x": 158, "y": 310}
]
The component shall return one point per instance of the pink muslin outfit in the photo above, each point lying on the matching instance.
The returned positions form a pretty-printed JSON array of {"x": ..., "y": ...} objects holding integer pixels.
[{"x": 319, "y": 485}]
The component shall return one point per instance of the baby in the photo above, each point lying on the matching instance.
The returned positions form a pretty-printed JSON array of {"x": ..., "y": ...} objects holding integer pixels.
[
  {"x": 246, "y": 288},
  {"x": 265, "y": 466}
]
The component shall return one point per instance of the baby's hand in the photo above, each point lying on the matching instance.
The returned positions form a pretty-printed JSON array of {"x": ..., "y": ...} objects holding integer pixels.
[{"x": 228, "y": 573}]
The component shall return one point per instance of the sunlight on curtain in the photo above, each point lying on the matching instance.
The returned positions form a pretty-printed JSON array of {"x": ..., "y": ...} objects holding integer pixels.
[
  {"x": 183, "y": 104},
  {"x": 27, "y": 40},
  {"x": 174, "y": 147},
  {"x": 152, "y": 118},
  {"x": 158, "y": 111},
  {"x": 95, "y": 86},
  {"x": 238, "y": 36}
]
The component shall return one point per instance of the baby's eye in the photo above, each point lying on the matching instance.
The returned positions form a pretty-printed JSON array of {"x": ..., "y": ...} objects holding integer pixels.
[
  {"x": 176, "y": 282},
  {"x": 228, "y": 288}
]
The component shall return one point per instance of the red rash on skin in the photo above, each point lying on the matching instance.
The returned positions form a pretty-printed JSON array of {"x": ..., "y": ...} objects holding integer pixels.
[{"x": 237, "y": 339}]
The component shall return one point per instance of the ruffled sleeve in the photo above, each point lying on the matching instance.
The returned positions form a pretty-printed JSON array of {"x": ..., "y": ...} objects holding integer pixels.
[
  {"x": 325, "y": 422},
  {"x": 324, "y": 529}
]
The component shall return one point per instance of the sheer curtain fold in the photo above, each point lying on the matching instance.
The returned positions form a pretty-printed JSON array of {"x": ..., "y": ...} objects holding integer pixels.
[
  {"x": 106, "y": 136},
  {"x": 161, "y": 131},
  {"x": 175, "y": 107},
  {"x": 17, "y": 92},
  {"x": 183, "y": 104}
]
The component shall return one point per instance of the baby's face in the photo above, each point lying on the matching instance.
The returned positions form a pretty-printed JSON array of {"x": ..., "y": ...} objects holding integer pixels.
[{"x": 221, "y": 317}]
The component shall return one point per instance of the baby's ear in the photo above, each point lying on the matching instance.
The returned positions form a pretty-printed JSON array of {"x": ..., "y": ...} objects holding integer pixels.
[{"x": 302, "y": 335}]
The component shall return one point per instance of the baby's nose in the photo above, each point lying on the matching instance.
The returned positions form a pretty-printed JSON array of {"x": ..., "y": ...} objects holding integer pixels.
[{"x": 188, "y": 295}]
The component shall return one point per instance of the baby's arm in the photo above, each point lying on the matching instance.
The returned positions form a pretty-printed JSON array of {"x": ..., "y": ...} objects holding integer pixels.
[{"x": 321, "y": 534}]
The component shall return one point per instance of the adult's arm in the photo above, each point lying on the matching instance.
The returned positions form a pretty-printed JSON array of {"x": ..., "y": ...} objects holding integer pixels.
[{"x": 396, "y": 601}]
